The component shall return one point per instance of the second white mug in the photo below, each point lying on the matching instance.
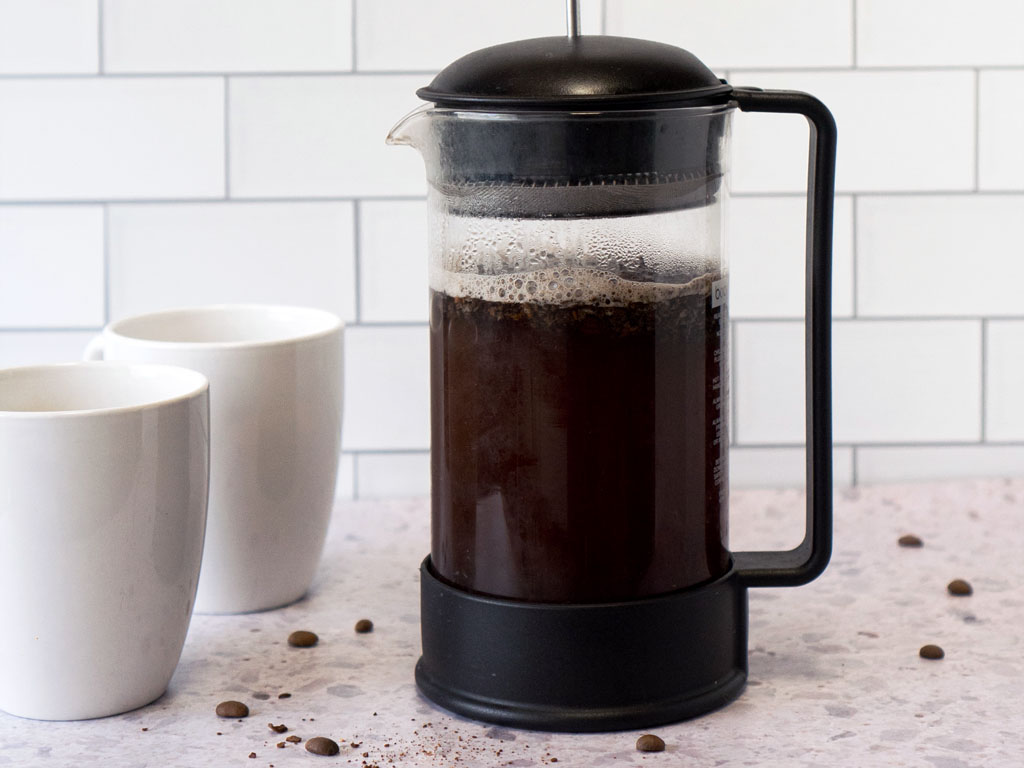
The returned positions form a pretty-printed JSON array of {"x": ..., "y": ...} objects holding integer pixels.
[{"x": 275, "y": 438}]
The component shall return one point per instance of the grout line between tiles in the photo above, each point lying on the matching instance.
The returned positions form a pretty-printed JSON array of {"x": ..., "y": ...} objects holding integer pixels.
[
  {"x": 227, "y": 138},
  {"x": 52, "y": 329},
  {"x": 869, "y": 444},
  {"x": 853, "y": 33},
  {"x": 977, "y": 130},
  {"x": 106, "y": 264},
  {"x": 357, "y": 259},
  {"x": 355, "y": 475},
  {"x": 352, "y": 21},
  {"x": 388, "y": 452},
  {"x": 431, "y": 72},
  {"x": 854, "y": 277},
  {"x": 984, "y": 379},
  {"x": 100, "y": 50},
  {"x": 733, "y": 391},
  {"x": 865, "y": 319}
]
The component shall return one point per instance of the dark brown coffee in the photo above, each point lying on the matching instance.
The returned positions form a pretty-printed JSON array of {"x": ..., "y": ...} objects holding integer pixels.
[{"x": 578, "y": 449}]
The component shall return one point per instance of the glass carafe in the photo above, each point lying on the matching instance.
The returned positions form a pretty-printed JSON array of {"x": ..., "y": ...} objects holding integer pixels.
[{"x": 579, "y": 363}]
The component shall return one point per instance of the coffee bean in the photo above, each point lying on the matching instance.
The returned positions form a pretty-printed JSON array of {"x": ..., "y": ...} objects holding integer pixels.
[
  {"x": 650, "y": 743},
  {"x": 959, "y": 587},
  {"x": 363, "y": 626},
  {"x": 252, "y": 754},
  {"x": 284, "y": 695},
  {"x": 280, "y": 745},
  {"x": 302, "y": 639},
  {"x": 232, "y": 709},
  {"x": 931, "y": 652},
  {"x": 293, "y": 739},
  {"x": 320, "y": 745},
  {"x": 910, "y": 540},
  {"x": 277, "y": 728}
]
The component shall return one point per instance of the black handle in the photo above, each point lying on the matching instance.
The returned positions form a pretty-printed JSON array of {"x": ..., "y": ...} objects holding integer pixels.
[{"x": 806, "y": 562}]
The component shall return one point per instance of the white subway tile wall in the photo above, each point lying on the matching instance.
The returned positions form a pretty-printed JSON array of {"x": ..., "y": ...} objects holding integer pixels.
[
  {"x": 743, "y": 33},
  {"x": 227, "y": 35},
  {"x": 321, "y": 136},
  {"x": 766, "y": 257},
  {"x": 1000, "y": 126},
  {"x": 899, "y": 131},
  {"x": 387, "y": 371},
  {"x": 49, "y": 37},
  {"x": 1004, "y": 414},
  {"x": 404, "y": 35},
  {"x": 55, "y": 276},
  {"x": 176, "y": 152},
  {"x": 393, "y": 274}
]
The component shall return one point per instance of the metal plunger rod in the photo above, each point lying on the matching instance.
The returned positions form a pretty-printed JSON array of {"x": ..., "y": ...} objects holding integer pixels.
[{"x": 572, "y": 18}]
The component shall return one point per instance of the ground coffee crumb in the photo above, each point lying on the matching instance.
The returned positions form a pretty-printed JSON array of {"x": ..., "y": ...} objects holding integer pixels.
[
  {"x": 284, "y": 695},
  {"x": 261, "y": 696},
  {"x": 931, "y": 652},
  {"x": 363, "y": 626},
  {"x": 303, "y": 639},
  {"x": 145, "y": 729},
  {"x": 277, "y": 728},
  {"x": 650, "y": 743},
  {"x": 320, "y": 745},
  {"x": 280, "y": 745},
  {"x": 293, "y": 739},
  {"x": 232, "y": 709},
  {"x": 910, "y": 540},
  {"x": 959, "y": 587},
  {"x": 252, "y": 755}
]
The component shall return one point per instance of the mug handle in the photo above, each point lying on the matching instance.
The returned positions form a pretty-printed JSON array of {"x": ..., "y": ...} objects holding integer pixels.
[
  {"x": 94, "y": 349},
  {"x": 806, "y": 561}
]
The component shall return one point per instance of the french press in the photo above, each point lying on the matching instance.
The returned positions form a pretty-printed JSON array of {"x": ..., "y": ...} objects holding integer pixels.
[{"x": 579, "y": 577}]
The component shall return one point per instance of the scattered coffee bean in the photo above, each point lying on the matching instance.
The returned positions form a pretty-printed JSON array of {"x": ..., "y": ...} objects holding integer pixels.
[
  {"x": 252, "y": 755},
  {"x": 910, "y": 540},
  {"x": 277, "y": 728},
  {"x": 931, "y": 652},
  {"x": 363, "y": 626},
  {"x": 280, "y": 745},
  {"x": 650, "y": 743},
  {"x": 959, "y": 587},
  {"x": 320, "y": 745},
  {"x": 232, "y": 709},
  {"x": 294, "y": 739},
  {"x": 145, "y": 729},
  {"x": 284, "y": 695},
  {"x": 303, "y": 639}
]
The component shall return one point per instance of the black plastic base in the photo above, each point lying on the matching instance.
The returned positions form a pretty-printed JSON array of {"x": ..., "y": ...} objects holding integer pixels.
[{"x": 583, "y": 668}]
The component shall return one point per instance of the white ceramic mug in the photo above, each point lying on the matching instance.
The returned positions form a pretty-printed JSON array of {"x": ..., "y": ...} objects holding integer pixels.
[
  {"x": 103, "y": 492},
  {"x": 275, "y": 409}
]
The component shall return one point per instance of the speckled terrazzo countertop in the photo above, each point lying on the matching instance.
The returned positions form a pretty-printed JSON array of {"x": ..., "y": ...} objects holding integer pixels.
[{"x": 835, "y": 676}]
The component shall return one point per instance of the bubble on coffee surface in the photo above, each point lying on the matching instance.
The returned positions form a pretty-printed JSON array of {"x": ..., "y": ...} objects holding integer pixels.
[
  {"x": 566, "y": 286},
  {"x": 610, "y": 261}
]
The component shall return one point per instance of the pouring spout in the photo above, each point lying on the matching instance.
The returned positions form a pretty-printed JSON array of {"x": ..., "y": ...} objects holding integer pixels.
[{"x": 411, "y": 130}]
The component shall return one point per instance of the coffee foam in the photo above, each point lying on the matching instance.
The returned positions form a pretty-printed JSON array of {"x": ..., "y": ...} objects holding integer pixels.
[{"x": 564, "y": 286}]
